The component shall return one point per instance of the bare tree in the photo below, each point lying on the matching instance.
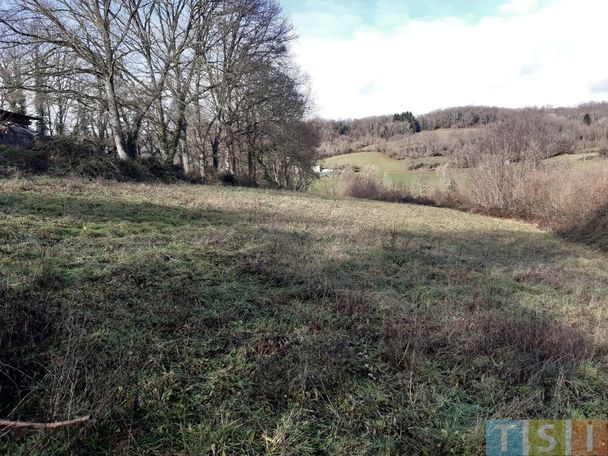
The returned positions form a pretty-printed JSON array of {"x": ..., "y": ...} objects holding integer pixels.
[
  {"x": 93, "y": 32},
  {"x": 205, "y": 83}
]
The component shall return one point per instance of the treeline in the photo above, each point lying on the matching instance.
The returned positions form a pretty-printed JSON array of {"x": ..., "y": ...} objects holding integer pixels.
[
  {"x": 206, "y": 84},
  {"x": 345, "y": 136},
  {"x": 394, "y": 133},
  {"x": 478, "y": 116},
  {"x": 463, "y": 117},
  {"x": 465, "y": 133}
]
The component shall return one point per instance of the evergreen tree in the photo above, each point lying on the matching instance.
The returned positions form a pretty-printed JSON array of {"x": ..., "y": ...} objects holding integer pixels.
[
  {"x": 410, "y": 119},
  {"x": 343, "y": 129},
  {"x": 587, "y": 119}
]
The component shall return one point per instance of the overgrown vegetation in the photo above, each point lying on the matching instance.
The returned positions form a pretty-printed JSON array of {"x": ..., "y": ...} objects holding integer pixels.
[
  {"x": 559, "y": 197},
  {"x": 366, "y": 186},
  {"x": 209, "y": 320},
  {"x": 565, "y": 196},
  {"x": 88, "y": 159}
]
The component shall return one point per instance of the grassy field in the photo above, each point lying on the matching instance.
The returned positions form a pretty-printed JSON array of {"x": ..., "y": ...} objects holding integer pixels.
[
  {"x": 420, "y": 175},
  {"x": 194, "y": 320},
  {"x": 411, "y": 173},
  {"x": 381, "y": 161},
  {"x": 577, "y": 159}
]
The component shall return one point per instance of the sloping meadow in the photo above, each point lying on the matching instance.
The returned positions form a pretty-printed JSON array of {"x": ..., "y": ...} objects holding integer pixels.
[{"x": 192, "y": 320}]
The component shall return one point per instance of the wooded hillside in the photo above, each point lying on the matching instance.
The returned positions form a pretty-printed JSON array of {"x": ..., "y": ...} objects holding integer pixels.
[{"x": 461, "y": 132}]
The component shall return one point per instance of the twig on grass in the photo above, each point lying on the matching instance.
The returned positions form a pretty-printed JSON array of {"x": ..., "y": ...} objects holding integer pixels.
[{"x": 31, "y": 425}]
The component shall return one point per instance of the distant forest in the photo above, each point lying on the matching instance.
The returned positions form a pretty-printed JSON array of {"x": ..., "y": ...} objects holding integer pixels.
[{"x": 404, "y": 135}]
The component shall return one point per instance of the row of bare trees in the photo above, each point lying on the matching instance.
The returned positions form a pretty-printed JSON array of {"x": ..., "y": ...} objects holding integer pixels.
[{"x": 209, "y": 84}]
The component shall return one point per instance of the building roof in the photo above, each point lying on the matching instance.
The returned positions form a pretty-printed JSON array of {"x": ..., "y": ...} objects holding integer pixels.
[{"x": 21, "y": 119}]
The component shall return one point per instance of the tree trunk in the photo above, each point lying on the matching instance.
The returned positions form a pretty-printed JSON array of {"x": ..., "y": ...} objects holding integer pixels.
[
  {"x": 250, "y": 163},
  {"x": 202, "y": 163},
  {"x": 131, "y": 146},
  {"x": 186, "y": 161},
  {"x": 250, "y": 158},
  {"x": 215, "y": 153},
  {"x": 114, "y": 119}
]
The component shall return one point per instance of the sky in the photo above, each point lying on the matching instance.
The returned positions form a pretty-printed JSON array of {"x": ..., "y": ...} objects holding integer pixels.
[{"x": 372, "y": 57}]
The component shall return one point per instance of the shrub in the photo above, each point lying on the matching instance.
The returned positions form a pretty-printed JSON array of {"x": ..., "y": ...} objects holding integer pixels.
[
  {"x": 416, "y": 166},
  {"x": 570, "y": 201},
  {"x": 368, "y": 187},
  {"x": 561, "y": 198},
  {"x": 16, "y": 159},
  {"x": 163, "y": 171},
  {"x": 228, "y": 179},
  {"x": 64, "y": 156},
  {"x": 69, "y": 156},
  {"x": 133, "y": 170},
  {"x": 492, "y": 186}
]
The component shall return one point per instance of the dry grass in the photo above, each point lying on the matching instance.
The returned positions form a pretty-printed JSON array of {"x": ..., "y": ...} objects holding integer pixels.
[
  {"x": 569, "y": 200},
  {"x": 369, "y": 187},
  {"x": 200, "y": 320},
  {"x": 561, "y": 196}
]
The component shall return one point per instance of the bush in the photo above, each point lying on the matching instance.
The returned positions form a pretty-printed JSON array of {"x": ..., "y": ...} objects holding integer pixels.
[
  {"x": 15, "y": 159},
  {"x": 133, "y": 170},
  {"x": 63, "y": 156},
  {"x": 493, "y": 184},
  {"x": 229, "y": 179},
  {"x": 368, "y": 187},
  {"x": 416, "y": 166},
  {"x": 570, "y": 201},
  {"x": 163, "y": 171},
  {"x": 69, "y": 156},
  {"x": 561, "y": 198}
]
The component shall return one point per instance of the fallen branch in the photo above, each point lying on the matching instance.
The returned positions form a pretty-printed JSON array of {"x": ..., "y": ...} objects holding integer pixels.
[{"x": 29, "y": 425}]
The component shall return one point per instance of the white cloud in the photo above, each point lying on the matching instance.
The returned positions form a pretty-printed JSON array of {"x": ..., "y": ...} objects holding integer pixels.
[{"x": 553, "y": 55}]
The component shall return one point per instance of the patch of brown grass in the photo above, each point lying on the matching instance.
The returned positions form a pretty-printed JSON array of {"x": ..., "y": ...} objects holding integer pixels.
[
  {"x": 561, "y": 197},
  {"x": 367, "y": 187},
  {"x": 569, "y": 200}
]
